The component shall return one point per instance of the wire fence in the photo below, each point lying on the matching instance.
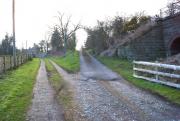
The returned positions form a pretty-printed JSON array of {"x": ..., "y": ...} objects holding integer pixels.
[{"x": 7, "y": 62}]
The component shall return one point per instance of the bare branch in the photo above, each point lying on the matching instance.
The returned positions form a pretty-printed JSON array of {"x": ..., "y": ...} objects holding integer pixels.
[
  {"x": 68, "y": 21},
  {"x": 76, "y": 27},
  {"x": 65, "y": 29},
  {"x": 61, "y": 28}
]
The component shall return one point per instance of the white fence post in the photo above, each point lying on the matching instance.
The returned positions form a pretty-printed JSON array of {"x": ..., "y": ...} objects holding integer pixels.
[
  {"x": 156, "y": 68},
  {"x": 134, "y": 72}
]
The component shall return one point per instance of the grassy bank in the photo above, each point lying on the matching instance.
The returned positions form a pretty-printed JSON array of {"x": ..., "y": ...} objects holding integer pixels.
[
  {"x": 70, "y": 62},
  {"x": 125, "y": 69},
  {"x": 63, "y": 94},
  {"x": 16, "y": 91}
]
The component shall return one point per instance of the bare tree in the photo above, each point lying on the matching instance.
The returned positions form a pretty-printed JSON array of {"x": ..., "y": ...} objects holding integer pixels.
[
  {"x": 173, "y": 7},
  {"x": 66, "y": 30}
]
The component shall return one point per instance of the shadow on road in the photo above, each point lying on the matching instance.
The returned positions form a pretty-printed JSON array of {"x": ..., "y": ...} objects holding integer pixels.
[{"x": 93, "y": 69}]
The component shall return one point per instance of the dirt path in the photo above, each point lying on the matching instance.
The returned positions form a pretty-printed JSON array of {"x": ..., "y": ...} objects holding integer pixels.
[{"x": 44, "y": 105}]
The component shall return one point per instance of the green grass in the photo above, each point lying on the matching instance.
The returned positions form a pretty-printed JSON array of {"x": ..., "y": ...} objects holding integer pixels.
[
  {"x": 70, "y": 62},
  {"x": 125, "y": 69},
  {"x": 16, "y": 91},
  {"x": 55, "y": 79},
  {"x": 63, "y": 94}
]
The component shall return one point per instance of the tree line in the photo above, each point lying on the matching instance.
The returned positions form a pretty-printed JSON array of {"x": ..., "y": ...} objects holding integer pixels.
[
  {"x": 61, "y": 43},
  {"x": 107, "y": 33},
  {"x": 6, "y": 45},
  {"x": 62, "y": 36}
]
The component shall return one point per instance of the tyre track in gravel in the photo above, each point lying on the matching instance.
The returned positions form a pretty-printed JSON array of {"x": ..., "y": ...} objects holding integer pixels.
[
  {"x": 103, "y": 95},
  {"x": 96, "y": 102},
  {"x": 115, "y": 93},
  {"x": 72, "y": 81},
  {"x": 116, "y": 108},
  {"x": 145, "y": 105},
  {"x": 44, "y": 104}
]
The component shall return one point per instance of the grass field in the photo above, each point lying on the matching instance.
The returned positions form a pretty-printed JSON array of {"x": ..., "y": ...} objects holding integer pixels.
[
  {"x": 125, "y": 69},
  {"x": 16, "y": 91},
  {"x": 70, "y": 62}
]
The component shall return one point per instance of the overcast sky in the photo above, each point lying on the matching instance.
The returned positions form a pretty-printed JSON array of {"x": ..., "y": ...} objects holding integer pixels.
[{"x": 34, "y": 16}]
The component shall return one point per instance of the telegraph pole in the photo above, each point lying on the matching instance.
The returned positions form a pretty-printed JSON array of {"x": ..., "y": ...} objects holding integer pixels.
[{"x": 14, "y": 36}]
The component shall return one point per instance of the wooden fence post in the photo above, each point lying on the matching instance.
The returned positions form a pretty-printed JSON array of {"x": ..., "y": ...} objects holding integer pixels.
[
  {"x": 21, "y": 59},
  {"x": 26, "y": 57},
  {"x": 17, "y": 61},
  {"x": 4, "y": 63},
  {"x": 10, "y": 62}
]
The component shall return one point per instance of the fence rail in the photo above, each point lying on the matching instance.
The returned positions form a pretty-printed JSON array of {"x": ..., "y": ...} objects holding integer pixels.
[
  {"x": 7, "y": 62},
  {"x": 156, "y": 72}
]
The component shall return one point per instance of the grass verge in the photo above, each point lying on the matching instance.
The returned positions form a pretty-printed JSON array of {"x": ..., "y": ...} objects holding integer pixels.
[
  {"x": 125, "y": 69},
  {"x": 16, "y": 91},
  {"x": 70, "y": 62},
  {"x": 64, "y": 96}
]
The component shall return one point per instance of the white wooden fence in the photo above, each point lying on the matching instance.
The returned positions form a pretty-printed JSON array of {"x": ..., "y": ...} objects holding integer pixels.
[{"x": 154, "y": 72}]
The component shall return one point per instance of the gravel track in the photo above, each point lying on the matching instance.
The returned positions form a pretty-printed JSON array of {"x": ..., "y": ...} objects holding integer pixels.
[
  {"x": 44, "y": 105},
  {"x": 103, "y": 95},
  {"x": 142, "y": 105},
  {"x": 93, "y": 97}
]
